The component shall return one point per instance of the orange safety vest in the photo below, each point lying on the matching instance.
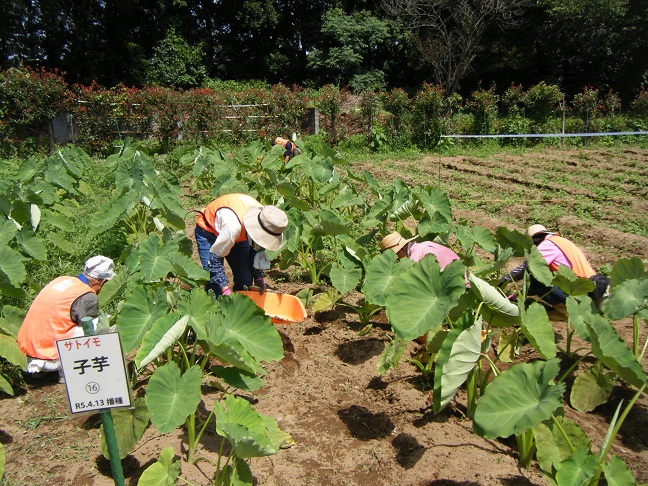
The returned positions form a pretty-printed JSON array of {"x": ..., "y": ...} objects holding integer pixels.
[
  {"x": 48, "y": 318},
  {"x": 576, "y": 257},
  {"x": 239, "y": 203}
]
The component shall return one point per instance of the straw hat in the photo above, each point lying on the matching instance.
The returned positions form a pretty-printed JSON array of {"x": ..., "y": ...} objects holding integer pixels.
[
  {"x": 99, "y": 267},
  {"x": 394, "y": 241},
  {"x": 537, "y": 229},
  {"x": 266, "y": 225}
]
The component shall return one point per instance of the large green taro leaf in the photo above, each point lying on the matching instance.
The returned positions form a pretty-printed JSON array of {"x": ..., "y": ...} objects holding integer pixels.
[
  {"x": 172, "y": 397},
  {"x": 329, "y": 223},
  {"x": 10, "y": 351},
  {"x": 57, "y": 174},
  {"x": 197, "y": 307},
  {"x": 184, "y": 266},
  {"x": 31, "y": 243},
  {"x": 538, "y": 267},
  {"x": 112, "y": 211},
  {"x": 519, "y": 398},
  {"x": 458, "y": 355},
  {"x": 6, "y": 387},
  {"x": 420, "y": 298},
  {"x": 139, "y": 312},
  {"x": 318, "y": 169},
  {"x": 628, "y": 298},
  {"x": 627, "y": 269},
  {"x": 8, "y": 230},
  {"x": 11, "y": 265},
  {"x": 249, "y": 433},
  {"x": 345, "y": 279},
  {"x": 492, "y": 297},
  {"x": 608, "y": 346},
  {"x": 347, "y": 198},
  {"x": 114, "y": 287},
  {"x": 616, "y": 472},
  {"x": 551, "y": 445},
  {"x": 11, "y": 320},
  {"x": 577, "y": 468},
  {"x": 515, "y": 240},
  {"x": 570, "y": 283},
  {"x": 130, "y": 424},
  {"x": 580, "y": 309},
  {"x": 537, "y": 328},
  {"x": 154, "y": 258},
  {"x": 592, "y": 388},
  {"x": 381, "y": 272},
  {"x": 160, "y": 337},
  {"x": 243, "y": 322},
  {"x": 238, "y": 378},
  {"x": 436, "y": 201},
  {"x": 237, "y": 472}
]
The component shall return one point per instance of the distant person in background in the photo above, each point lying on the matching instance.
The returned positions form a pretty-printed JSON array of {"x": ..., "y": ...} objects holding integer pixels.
[
  {"x": 291, "y": 150},
  {"x": 407, "y": 248},
  {"x": 238, "y": 228},
  {"x": 57, "y": 311},
  {"x": 557, "y": 251}
]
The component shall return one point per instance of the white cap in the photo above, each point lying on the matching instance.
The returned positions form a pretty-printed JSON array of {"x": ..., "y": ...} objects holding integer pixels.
[{"x": 99, "y": 267}]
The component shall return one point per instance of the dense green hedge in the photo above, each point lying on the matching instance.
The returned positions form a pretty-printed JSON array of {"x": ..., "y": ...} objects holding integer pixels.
[{"x": 234, "y": 114}]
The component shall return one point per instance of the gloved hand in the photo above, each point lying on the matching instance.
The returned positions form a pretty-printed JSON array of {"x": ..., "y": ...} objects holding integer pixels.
[
  {"x": 226, "y": 291},
  {"x": 260, "y": 283}
]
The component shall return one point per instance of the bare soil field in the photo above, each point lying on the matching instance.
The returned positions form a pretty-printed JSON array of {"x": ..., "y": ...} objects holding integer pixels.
[{"x": 349, "y": 425}]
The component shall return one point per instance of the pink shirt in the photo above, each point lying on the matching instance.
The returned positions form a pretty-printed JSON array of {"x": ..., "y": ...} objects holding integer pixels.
[
  {"x": 444, "y": 255},
  {"x": 552, "y": 254}
]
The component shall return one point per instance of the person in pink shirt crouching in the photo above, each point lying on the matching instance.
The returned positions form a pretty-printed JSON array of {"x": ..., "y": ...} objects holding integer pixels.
[{"x": 408, "y": 248}]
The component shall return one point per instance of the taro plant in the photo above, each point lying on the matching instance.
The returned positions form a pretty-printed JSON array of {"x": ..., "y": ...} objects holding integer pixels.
[
  {"x": 376, "y": 280},
  {"x": 629, "y": 297},
  {"x": 564, "y": 451},
  {"x": 526, "y": 397},
  {"x": 180, "y": 336},
  {"x": 10, "y": 353},
  {"x": 42, "y": 191},
  {"x": 309, "y": 236},
  {"x": 144, "y": 198},
  {"x": 313, "y": 181},
  {"x": 208, "y": 168},
  {"x": 234, "y": 332},
  {"x": 248, "y": 434}
]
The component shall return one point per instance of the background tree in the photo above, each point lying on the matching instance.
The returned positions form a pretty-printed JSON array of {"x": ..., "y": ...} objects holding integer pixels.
[
  {"x": 350, "y": 50},
  {"x": 176, "y": 64},
  {"x": 449, "y": 33}
]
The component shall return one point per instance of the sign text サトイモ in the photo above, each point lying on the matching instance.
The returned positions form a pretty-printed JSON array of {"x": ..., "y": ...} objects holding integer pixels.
[{"x": 95, "y": 373}]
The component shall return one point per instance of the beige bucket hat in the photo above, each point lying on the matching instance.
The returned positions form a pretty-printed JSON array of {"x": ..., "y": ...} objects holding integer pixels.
[
  {"x": 394, "y": 241},
  {"x": 266, "y": 226},
  {"x": 536, "y": 229}
]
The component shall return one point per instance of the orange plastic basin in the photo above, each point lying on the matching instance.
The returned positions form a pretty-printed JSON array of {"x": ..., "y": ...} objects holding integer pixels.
[{"x": 281, "y": 308}]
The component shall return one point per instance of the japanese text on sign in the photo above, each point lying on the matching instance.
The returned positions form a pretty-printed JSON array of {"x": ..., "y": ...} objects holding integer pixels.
[{"x": 95, "y": 373}]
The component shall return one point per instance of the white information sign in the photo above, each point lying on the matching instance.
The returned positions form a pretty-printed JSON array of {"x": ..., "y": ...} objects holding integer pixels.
[{"x": 95, "y": 372}]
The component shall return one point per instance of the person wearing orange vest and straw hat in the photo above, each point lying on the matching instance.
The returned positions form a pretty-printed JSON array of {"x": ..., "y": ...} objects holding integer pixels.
[
  {"x": 557, "y": 251},
  {"x": 56, "y": 313},
  {"x": 238, "y": 228}
]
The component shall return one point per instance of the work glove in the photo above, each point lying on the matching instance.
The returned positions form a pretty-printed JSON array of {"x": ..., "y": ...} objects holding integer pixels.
[
  {"x": 226, "y": 291},
  {"x": 260, "y": 283}
]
